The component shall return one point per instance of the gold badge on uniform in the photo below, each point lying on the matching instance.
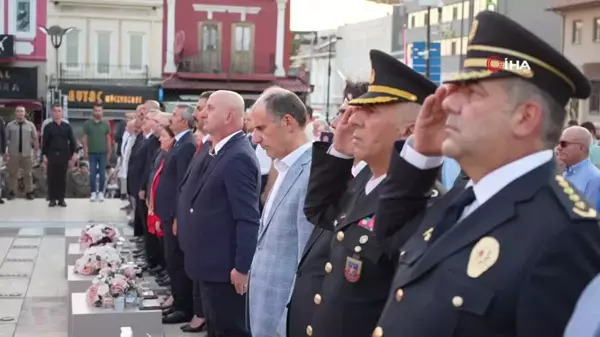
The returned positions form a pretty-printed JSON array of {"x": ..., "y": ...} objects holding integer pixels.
[
  {"x": 352, "y": 269},
  {"x": 483, "y": 256}
]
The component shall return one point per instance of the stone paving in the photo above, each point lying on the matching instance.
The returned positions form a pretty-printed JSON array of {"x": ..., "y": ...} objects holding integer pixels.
[{"x": 33, "y": 286}]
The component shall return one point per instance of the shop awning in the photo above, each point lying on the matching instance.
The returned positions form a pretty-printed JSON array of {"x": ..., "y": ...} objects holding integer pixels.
[
  {"x": 291, "y": 84},
  {"x": 28, "y": 104}
]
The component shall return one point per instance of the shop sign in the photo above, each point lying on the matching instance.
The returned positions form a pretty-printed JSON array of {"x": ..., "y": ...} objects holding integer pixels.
[
  {"x": 18, "y": 82},
  {"x": 111, "y": 97}
]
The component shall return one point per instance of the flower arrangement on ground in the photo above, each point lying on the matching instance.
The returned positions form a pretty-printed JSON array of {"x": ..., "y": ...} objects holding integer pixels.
[
  {"x": 97, "y": 258},
  {"x": 111, "y": 284},
  {"x": 98, "y": 235}
]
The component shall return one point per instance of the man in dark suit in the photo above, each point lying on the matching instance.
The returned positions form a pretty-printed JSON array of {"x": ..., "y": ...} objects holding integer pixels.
[
  {"x": 148, "y": 152},
  {"x": 224, "y": 211},
  {"x": 509, "y": 252},
  {"x": 360, "y": 268},
  {"x": 167, "y": 191},
  {"x": 185, "y": 220},
  {"x": 135, "y": 169}
]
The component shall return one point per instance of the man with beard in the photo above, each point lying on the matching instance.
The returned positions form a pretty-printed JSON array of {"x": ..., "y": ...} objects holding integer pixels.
[{"x": 97, "y": 143}]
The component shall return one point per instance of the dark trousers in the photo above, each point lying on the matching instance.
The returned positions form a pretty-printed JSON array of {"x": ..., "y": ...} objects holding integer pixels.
[
  {"x": 198, "y": 310},
  {"x": 151, "y": 243},
  {"x": 224, "y": 310},
  {"x": 58, "y": 163},
  {"x": 181, "y": 285},
  {"x": 140, "y": 217}
]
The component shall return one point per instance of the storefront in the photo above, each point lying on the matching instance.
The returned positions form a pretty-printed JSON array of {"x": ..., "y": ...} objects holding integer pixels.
[
  {"x": 116, "y": 100},
  {"x": 19, "y": 87}
]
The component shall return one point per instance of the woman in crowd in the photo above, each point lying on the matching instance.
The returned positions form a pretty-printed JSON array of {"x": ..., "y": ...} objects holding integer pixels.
[{"x": 167, "y": 139}]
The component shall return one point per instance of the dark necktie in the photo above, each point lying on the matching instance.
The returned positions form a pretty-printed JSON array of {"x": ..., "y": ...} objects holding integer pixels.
[
  {"x": 21, "y": 137},
  {"x": 453, "y": 213}
]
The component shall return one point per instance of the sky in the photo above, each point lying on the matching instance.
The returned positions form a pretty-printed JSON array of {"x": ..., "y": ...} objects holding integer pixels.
[{"x": 312, "y": 15}]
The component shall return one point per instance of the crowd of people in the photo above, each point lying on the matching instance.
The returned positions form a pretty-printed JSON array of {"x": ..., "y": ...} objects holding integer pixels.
[{"x": 425, "y": 211}]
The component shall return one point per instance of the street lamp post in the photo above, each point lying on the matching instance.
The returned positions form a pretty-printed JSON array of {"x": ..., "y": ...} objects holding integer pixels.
[
  {"x": 56, "y": 34},
  {"x": 331, "y": 40}
]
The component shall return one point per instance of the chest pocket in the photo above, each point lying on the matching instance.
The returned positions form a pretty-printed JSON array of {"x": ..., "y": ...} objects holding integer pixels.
[
  {"x": 463, "y": 294},
  {"x": 360, "y": 241}
]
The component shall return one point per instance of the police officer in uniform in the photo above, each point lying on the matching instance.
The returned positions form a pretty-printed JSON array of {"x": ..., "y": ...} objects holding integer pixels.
[
  {"x": 360, "y": 269},
  {"x": 508, "y": 253}
]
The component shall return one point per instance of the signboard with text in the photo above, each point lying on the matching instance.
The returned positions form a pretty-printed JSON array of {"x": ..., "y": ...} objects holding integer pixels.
[
  {"x": 419, "y": 60},
  {"x": 18, "y": 82},
  {"x": 7, "y": 46},
  {"x": 82, "y": 96}
]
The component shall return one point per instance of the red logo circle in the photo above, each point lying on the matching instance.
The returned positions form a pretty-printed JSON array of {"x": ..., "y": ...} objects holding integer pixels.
[{"x": 494, "y": 64}]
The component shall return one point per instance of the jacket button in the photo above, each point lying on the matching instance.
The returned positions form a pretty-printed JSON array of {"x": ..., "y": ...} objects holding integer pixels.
[
  {"x": 399, "y": 295},
  {"x": 363, "y": 239},
  {"x": 378, "y": 332},
  {"x": 402, "y": 253},
  {"x": 309, "y": 330},
  {"x": 317, "y": 299},
  {"x": 191, "y": 210},
  {"x": 335, "y": 223},
  {"x": 457, "y": 301},
  {"x": 328, "y": 267},
  {"x": 340, "y": 236},
  {"x": 358, "y": 249}
]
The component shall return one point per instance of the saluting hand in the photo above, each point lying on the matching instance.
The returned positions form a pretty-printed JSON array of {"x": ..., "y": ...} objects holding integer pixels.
[
  {"x": 342, "y": 137},
  {"x": 239, "y": 281},
  {"x": 430, "y": 126}
]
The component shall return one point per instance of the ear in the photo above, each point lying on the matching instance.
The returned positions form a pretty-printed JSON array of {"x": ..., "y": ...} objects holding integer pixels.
[{"x": 527, "y": 119}]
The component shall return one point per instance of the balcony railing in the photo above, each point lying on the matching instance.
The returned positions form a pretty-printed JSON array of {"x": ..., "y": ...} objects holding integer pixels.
[
  {"x": 211, "y": 63},
  {"x": 74, "y": 72}
]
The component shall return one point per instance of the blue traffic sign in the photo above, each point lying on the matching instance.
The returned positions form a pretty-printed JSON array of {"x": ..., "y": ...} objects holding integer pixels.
[{"x": 419, "y": 60}]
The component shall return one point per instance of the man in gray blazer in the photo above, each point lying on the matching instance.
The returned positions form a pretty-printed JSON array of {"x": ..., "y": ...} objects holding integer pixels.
[{"x": 279, "y": 118}]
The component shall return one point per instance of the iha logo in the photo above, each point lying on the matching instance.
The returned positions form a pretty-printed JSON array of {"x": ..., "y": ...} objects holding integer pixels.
[{"x": 496, "y": 64}]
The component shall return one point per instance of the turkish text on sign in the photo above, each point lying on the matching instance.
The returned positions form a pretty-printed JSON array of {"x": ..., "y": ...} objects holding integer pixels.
[{"x": 97, "y": 96}]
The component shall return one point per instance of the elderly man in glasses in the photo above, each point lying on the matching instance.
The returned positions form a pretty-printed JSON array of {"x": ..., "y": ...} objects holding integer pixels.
[{"x": 573, "y": 152}]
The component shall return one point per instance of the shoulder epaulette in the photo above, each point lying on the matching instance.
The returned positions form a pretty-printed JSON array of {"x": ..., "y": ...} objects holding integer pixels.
[{"x": 574, "y": 203}]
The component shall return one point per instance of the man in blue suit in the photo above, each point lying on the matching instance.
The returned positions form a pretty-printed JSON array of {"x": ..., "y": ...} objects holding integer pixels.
[
  {"x": 175, "y": 166},
  {"x": 225, "y": 212}
]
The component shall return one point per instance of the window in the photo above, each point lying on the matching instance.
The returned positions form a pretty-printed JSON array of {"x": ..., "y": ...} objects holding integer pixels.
[
  {"x": 454, "y": 13},
  {"x": 453, "y": 48},
  {"x": 72, "y": 49},
  {"x": 577, "y": 28},
  {"x": 136, "y": 51},
  {"x": 597, "y": 29},
  {"x": 22, "y": 18},
  {"x": 412, "y": 22},
  {"x": 594, "y": 108},
  {"x": 243, "y": 38},
  {"x": 210, "y": 37},
  {"x": 103, "y": 52}
]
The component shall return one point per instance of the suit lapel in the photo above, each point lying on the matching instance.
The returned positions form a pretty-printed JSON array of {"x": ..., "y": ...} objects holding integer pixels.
[
  {"x": 354, "y": 186},
  {"x": 290, "y": 179},
  {"x": 493, "y": 213},
  {"x": 216, "y": 160},
  {"x": 199, "y": 157}
]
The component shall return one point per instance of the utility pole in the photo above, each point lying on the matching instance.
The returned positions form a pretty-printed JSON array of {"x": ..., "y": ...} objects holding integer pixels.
[
  {"x": 427, "y": 60},
  {"x": 332, "y": 38}
]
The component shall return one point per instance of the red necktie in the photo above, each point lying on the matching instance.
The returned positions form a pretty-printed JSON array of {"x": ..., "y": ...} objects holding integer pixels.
[{"x": 198, "y": 149}]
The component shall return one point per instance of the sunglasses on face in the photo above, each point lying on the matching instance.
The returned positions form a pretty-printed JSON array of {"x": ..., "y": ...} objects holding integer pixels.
[{"x": 565, "y": 143}]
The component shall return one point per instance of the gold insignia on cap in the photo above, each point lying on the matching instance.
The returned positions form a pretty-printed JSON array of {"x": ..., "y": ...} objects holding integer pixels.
[
  {"x": 580, "y": 205},
  {"x": 568, "y": 190},
  {"x": 372, "y": 79},
  {"x": 574, "y": 197},
  {"x": 484, "y": 255},
  {"x": 473, "y": 30}
]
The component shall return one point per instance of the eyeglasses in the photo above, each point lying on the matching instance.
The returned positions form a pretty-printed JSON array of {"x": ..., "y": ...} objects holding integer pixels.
[{"x": 565, "y": 143}]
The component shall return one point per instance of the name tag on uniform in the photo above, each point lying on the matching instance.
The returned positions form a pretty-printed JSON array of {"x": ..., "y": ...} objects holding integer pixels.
[{"x": 367, "y": 223}]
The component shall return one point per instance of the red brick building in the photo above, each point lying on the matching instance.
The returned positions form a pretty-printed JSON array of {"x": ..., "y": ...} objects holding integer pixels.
[{"x": 240, "y": 45}]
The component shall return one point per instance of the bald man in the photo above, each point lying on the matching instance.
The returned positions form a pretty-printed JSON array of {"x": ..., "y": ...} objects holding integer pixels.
[
  {"x": 226, "y": 192},
  {"x": 573, "y": 151}
]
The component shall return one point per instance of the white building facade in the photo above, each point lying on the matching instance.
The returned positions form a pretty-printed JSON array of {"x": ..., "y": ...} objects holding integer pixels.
[
  {"x": 349, "y": 59},
  {"x": 111, "y": 40}
]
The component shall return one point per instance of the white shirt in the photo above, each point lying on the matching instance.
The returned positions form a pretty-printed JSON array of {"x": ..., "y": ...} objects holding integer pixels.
[
  {"x": 263, "y": 160},
  {"x": 490, "y": 184},
  {"x": 356, "y": 169},
  {"x": 205, "y": 138},
  {"x": 224, "y": 141},
  {"x": 372, "y": 183},
  {"x": 126, "y": 136},
  {"x": 282, "y": 166},
  {"x": 309, "y": 131},
  {"x": 126, "y": 155}
]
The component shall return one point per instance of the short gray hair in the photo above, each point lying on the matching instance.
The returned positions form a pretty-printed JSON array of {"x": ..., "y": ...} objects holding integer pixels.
[
  {"x": 282, "y": 102},
  {"x": 519, "y": 91},
  {"x": 187, "y": 114}
]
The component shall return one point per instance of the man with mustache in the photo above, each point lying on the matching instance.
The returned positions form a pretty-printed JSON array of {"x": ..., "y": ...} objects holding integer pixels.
[
  {"x": 508, "y": 252},
  {"x": 360, "y": 269}
]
